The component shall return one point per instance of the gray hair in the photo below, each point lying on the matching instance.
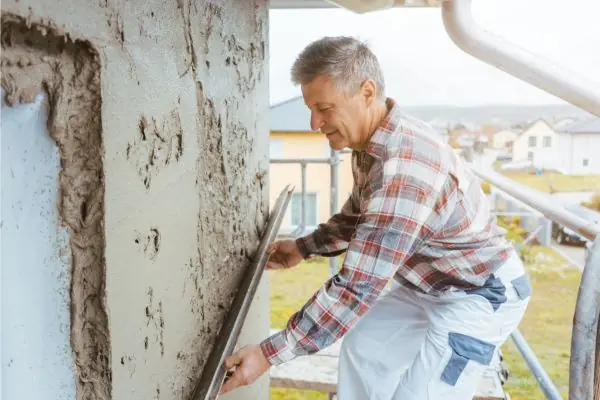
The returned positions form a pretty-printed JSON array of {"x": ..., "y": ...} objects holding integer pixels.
[{"x": 346, "y": 60}]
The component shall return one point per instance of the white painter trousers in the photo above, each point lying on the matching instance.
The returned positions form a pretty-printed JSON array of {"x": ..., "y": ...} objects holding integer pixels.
[{"x": 414, "y": 346}]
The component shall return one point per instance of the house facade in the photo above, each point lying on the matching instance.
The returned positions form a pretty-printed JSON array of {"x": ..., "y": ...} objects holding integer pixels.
[
  {"x": 538, "y": 144},
  {"x": 292, "y": 139},
  {"x": 579, "y": 148},
  {"x": 504, "y": 139},
  {"x": 569, "y": 148}
]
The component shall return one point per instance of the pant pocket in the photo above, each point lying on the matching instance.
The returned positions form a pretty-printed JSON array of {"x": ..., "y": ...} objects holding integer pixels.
[
  {"x": 461, "y": 367},
  {"x": 522, "y": 286}
]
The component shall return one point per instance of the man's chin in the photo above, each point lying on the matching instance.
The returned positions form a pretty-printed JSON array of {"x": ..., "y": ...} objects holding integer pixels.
[{"x": 336, "y": 145}]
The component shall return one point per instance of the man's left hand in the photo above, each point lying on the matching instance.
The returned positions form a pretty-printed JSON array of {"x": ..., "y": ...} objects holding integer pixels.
[{"x": 249, "y": 364}]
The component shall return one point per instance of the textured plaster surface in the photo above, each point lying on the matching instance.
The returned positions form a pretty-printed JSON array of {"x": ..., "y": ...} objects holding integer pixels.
[{"x": 158, "y": 110}]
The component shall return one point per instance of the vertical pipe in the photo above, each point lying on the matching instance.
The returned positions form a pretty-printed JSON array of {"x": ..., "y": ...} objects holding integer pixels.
[
  {"x": 303, "y": 206},
  {"x": 333, "y": 199},
  {"x": 584, "y": 348},
  {"x": 546, "y": 384}
]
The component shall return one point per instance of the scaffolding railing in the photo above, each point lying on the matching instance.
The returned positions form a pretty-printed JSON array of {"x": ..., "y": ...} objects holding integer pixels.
[{"x": 584, "y": 349}]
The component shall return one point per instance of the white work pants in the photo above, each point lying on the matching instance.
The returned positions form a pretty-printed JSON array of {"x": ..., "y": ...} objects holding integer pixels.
[{"x": 414, "y": 346}]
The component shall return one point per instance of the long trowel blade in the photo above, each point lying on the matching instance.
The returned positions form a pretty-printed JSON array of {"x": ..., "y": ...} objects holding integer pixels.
[{"x": 214, "y": 374}]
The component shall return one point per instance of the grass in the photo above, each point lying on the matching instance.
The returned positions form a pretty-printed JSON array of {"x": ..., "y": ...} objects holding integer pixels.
[
  {"x": 555, "y": 182},
  {"x": 289, "y": 292},
  {"x": 546, "y": 326}
]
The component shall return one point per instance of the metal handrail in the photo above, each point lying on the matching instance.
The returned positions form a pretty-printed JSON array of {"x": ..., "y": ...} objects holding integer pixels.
[
  {"x": 508, "y": 57},
  {"x": 213, "y": 374},
  {"x": 584, "y": 347},
  {"x": 541, "y": 203}
]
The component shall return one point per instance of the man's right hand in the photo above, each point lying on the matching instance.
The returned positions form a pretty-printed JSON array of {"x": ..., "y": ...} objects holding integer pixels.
[{"x": 284, "y": 254}]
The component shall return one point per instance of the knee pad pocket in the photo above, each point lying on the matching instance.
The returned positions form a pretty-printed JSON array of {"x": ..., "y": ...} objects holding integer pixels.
[{"x": 464, "y": 349}]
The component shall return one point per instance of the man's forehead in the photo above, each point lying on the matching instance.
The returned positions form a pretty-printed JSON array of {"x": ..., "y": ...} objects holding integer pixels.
[{"x": 319, "y": 90}]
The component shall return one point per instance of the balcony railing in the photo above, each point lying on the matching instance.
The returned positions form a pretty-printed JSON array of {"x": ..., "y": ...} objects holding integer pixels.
[{"x": 584, "y": 349}]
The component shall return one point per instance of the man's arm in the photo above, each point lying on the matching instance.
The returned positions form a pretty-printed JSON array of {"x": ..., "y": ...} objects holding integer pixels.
[
  {"x": 331, "y": 238},
  {"x": 400, "y": 216}
]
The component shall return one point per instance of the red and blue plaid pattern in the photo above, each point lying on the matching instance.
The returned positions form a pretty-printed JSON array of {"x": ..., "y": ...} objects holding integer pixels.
[{"x": 416, "y": 214}]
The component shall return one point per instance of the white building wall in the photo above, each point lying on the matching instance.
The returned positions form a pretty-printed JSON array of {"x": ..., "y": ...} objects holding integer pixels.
[
  {"x": 37, "y": 361},
  {"x": 585, "y": 154},
  {"x": 544, "y": 155}
]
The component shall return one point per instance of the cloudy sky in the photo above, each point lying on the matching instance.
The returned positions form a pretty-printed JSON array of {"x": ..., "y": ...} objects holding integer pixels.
[{"x": 423, "y": 66}]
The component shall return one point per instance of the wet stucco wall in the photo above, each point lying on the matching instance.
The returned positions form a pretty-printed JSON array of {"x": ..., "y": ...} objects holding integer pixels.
[{"x": 158, "y": 113}]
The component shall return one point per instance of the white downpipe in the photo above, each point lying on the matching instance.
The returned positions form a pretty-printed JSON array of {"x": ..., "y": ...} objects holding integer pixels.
[{"x": 510, "y": 58}]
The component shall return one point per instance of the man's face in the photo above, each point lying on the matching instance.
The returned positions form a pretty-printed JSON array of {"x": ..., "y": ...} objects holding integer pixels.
[{"x": 340, "y": 116}]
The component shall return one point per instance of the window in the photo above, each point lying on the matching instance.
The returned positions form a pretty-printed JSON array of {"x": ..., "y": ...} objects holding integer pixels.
[
  {"x": 311, "y": 209},
  {"x": 275, "y": 148},
  {"x": 532, "y": 141},
  {"x": 547, "y": 141},
  {"x": 586, "y": 162},
  {"x": 530, "y": 155}
]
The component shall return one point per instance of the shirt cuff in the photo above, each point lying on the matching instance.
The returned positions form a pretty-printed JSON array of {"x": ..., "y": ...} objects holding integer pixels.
[
  {"x": 303, "y": 247},
  {"x": 276, "y": 349}
]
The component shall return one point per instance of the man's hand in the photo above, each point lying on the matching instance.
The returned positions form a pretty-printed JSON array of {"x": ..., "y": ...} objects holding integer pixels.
[
  {"x": 284, "y": 254},
  {"x": 249, "y": 363}
]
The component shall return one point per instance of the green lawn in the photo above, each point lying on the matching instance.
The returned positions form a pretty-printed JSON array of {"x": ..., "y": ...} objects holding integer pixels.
[
  {"x": 551, "y": 181},
  {"x": 546, "y": 326}
]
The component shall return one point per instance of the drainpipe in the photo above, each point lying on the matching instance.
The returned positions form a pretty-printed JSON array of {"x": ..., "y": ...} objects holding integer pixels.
[{"x": 508, "y": 57}]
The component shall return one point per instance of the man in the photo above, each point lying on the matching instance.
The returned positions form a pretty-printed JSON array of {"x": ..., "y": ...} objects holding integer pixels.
[{"x": 416, "y": 214}]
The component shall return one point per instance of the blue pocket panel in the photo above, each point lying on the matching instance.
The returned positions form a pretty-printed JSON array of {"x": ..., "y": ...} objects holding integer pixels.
[
  {"x": 493, "y": 290},
  {"x": 522, "y": 286},
  {"x": 464, "y": 349}
]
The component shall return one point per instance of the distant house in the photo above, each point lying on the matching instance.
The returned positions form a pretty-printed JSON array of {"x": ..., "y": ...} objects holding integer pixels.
[
  {"x": 537, "y": 144},
  {"x": 579, "y": 147},
  {"x": 504, "y": 139},
  {"x": 570, "y": 148},
  {"x": 292, "y": 138}
]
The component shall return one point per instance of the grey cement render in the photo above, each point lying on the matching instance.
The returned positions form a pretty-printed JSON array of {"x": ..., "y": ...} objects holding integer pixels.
[{"x": 184, "y": 102}]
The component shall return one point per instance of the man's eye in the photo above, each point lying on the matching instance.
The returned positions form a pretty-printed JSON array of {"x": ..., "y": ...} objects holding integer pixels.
[{"x": 324, "y": 109}]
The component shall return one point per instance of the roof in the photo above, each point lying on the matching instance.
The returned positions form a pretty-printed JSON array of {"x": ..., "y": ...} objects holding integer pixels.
[
  {"x": 591, "y": 125},
  {"x": 291, "y": 115}
]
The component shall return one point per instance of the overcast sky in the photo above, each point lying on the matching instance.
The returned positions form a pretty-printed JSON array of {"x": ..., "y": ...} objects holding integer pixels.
[{"x": 423, "y": 66}]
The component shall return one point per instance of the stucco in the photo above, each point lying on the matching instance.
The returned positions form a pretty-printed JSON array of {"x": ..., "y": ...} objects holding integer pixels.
[{"x": 158, "y": 111}]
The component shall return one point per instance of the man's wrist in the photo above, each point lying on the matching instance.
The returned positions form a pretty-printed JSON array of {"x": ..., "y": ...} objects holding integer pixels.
[{"x": 303, "y": 248}]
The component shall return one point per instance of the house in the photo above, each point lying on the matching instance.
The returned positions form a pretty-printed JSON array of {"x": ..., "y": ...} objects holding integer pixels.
[
  {"x": 504, "y": 138},
  {"x": 291, "y": 138},
  {"x": 537, "y": 144},
  {"x": 579, "y": 147},
  {"x": 568, "y": 148}
]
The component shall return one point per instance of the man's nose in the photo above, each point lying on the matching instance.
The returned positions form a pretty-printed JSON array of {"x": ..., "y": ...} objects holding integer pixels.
[{"x": 316, "y": 122}]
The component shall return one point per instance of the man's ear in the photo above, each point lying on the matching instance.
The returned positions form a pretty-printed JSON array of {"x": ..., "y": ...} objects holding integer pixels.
[{"x": 368, "y": 91}]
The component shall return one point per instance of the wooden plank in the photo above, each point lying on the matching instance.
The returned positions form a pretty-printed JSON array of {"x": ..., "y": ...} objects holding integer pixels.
[{"x": 319, "y": 372}]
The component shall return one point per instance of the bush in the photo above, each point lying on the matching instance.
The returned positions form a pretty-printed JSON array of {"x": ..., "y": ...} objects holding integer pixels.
[
  {"x": 485, "y": 186},
  {"x": 594, "y": 202}
]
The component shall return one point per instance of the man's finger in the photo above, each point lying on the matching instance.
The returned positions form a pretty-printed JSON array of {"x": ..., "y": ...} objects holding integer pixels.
[
  {"x": 232, "y": 361},
  {"x": 273, "y": 265},
  {"x": 232, "y": 383}
]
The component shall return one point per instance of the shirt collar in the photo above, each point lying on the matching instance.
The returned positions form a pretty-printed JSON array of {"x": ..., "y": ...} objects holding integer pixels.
[{"x": 379, "y": 140}]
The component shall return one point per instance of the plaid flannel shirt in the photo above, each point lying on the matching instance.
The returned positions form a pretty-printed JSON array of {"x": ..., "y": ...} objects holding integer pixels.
[{"x": 416, "y": 214}]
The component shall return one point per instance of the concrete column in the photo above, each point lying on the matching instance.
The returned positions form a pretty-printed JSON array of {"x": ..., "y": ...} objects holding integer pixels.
[{"x": 134, "y": 168}]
